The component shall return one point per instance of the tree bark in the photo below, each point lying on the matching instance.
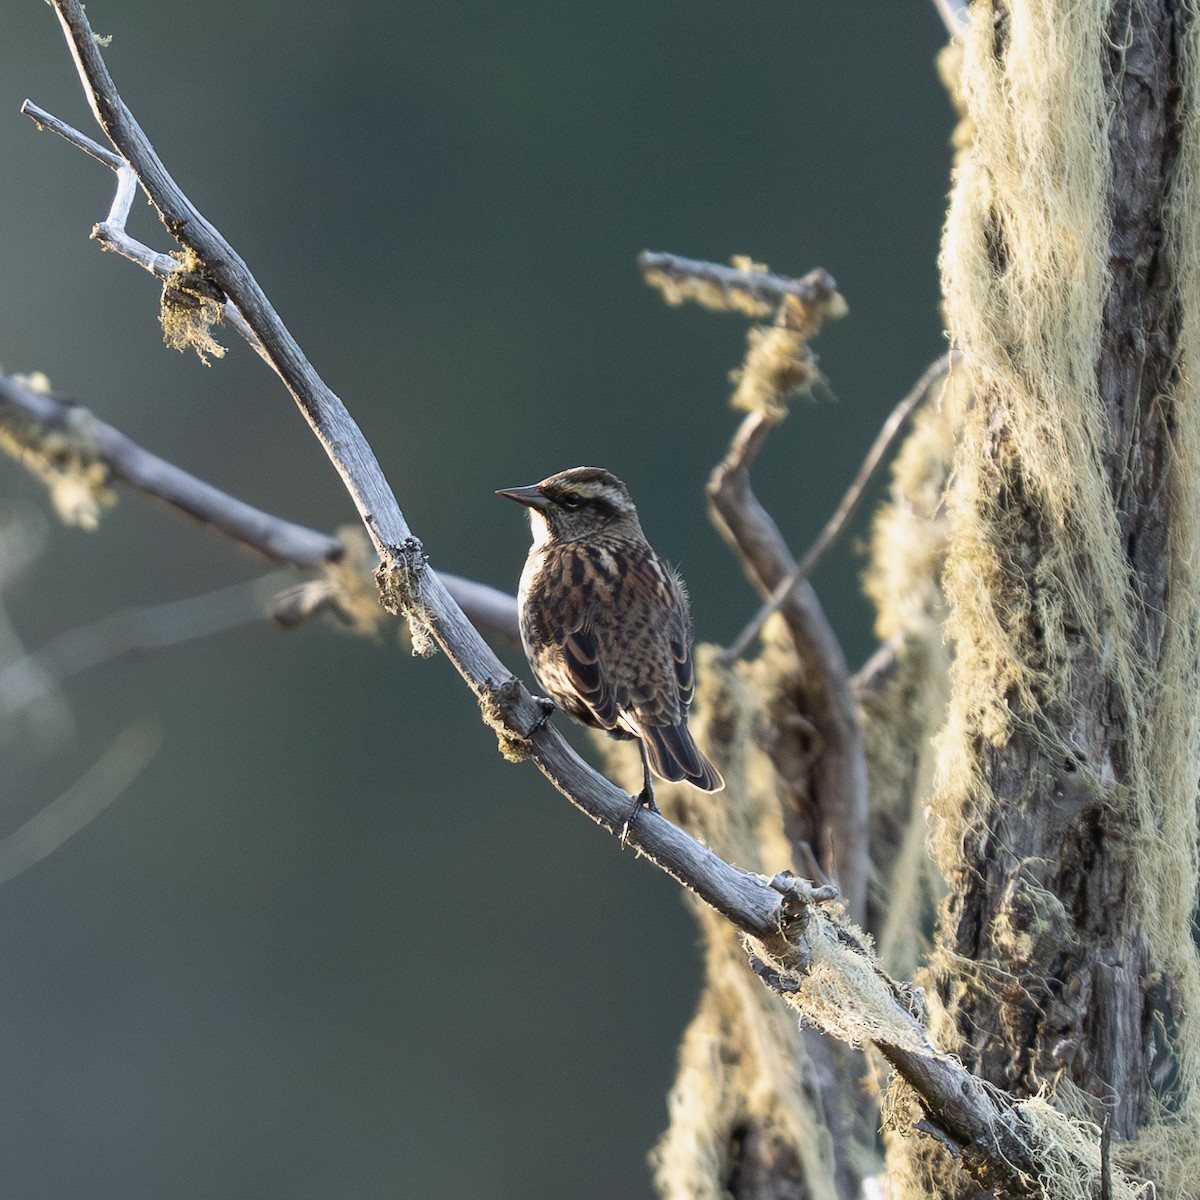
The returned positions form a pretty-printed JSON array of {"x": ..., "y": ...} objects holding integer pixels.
[{"x": 1065, "y": 295}]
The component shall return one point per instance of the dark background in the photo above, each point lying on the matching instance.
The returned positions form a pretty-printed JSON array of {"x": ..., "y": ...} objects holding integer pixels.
[{"x": 329, "y": 944}]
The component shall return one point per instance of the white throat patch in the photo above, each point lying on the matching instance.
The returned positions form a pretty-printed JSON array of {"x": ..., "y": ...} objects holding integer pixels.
[{"x": 540, "y": 527}]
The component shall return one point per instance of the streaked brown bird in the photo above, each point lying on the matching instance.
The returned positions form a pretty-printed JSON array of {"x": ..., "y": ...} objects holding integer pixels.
[{"x": 605, "y": 623}]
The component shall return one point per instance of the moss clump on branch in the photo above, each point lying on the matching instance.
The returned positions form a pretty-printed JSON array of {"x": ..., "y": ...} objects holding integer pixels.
[
  {"x": 66, "y": 460},
  {"x": 191, "y": 305}
]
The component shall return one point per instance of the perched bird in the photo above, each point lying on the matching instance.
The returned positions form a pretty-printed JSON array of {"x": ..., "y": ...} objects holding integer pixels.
[{"x": 605, "y": 623}]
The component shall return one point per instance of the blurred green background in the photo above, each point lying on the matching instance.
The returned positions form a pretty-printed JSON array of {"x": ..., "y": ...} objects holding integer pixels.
[{"x": 329, "y": 944}]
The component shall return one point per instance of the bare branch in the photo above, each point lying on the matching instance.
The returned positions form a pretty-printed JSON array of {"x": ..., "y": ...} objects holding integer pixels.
[
  {"x": 46, "y": 120},
  {"x": 742, "y": 287},
  {"x": 887, "y": 437},
  {"x": 111, "y": 233},
  {"x": 332, "y": 424},
  {"x": 269, "y": 535},
  {"x": 283, "y": 541},
  {"x": 1018, "y": 1147},
  {"x": 134, "y": 631},
  {"x": 489, "y": 608},
  {"x": 22, "y": 541},
  {"x": 876, "y": 672},
  {"x": 996, "y": 1136},
  {"x": 23, "y": 537}
]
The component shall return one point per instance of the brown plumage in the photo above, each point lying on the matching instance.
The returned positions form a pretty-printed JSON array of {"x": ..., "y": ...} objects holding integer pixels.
[{"x": 605, "y": 622}]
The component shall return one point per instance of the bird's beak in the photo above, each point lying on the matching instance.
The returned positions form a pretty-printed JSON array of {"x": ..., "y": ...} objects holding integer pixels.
[{"x": 529, "y": 496}]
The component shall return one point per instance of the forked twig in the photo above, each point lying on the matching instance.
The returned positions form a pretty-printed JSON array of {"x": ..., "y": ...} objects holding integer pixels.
[
  {"x": 885, "y": 440},
  {"x": 111, "y": 233},
  {"x": 840, "y": 771}
]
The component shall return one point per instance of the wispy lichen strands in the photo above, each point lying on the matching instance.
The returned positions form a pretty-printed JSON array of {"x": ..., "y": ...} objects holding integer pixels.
[{"x": 1065, "y": 816}]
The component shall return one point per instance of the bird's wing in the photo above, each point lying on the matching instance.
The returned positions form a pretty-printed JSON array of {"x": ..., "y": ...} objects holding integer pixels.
[
  {"x": 568, "y": 659},
  {"x": 614, "y": 645},
  {"x": 649, "y": 634},
  {"x": 680, "y": 639},
  {"x": 588, "y": 678},
  {"x": 655, "y": 704}
]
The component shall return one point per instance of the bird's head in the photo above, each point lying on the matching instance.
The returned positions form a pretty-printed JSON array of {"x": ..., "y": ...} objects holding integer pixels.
[{"x": 576, "y": 504}]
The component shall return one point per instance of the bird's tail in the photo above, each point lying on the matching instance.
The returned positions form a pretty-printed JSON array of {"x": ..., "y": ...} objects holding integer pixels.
[{"x": 675, "y": 757}]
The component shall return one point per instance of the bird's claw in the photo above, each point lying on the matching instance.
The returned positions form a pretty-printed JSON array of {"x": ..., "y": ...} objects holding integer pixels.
[{"x": 644, "y": 799}]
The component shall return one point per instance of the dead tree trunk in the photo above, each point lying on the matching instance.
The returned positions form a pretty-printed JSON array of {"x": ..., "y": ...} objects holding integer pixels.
[
  {"x": 1065, "y": 817},
  {"x": 1053, "y": 501}
]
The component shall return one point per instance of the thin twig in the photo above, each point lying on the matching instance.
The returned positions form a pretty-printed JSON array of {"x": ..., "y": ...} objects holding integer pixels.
[
  {"x": 47, "y": 120},
  {"x": 80, "y": 804},
  {"x": 111, "y": 232},
  {"x": 143, "y": 630},
  {"x": 283, "y": 541},
  {"x": 23, "y": 537},
  {"x": 875, "y": 674},
  {"x": 887, "y": 437},
  {"x": 762, "y": 288},
  {"x": 133, "y": 631}
]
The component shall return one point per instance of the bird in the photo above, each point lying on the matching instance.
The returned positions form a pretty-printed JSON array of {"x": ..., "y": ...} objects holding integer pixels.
[{"x": 606, "y": 626}]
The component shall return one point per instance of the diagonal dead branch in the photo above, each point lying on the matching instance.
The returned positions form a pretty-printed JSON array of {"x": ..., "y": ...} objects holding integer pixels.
[
  {"x": 840, "y": 771},
  {"x": 1018, "y": 1148}
]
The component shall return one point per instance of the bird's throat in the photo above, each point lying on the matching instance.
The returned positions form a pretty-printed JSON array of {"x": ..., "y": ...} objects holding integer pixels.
[{"x": 540, "y": 527}]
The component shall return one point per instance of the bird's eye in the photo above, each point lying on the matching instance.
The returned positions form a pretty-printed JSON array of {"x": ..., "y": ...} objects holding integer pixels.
[{"x": 571, "y": 500}]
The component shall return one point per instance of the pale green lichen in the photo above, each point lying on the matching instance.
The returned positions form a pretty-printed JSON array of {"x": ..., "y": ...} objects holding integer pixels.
[
  {"x": 66, "y": 460},
  {"x": 191, "y": 305}
]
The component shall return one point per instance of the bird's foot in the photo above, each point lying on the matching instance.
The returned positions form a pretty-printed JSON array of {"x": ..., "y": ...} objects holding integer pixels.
[{"x": 644, "y": 799}]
